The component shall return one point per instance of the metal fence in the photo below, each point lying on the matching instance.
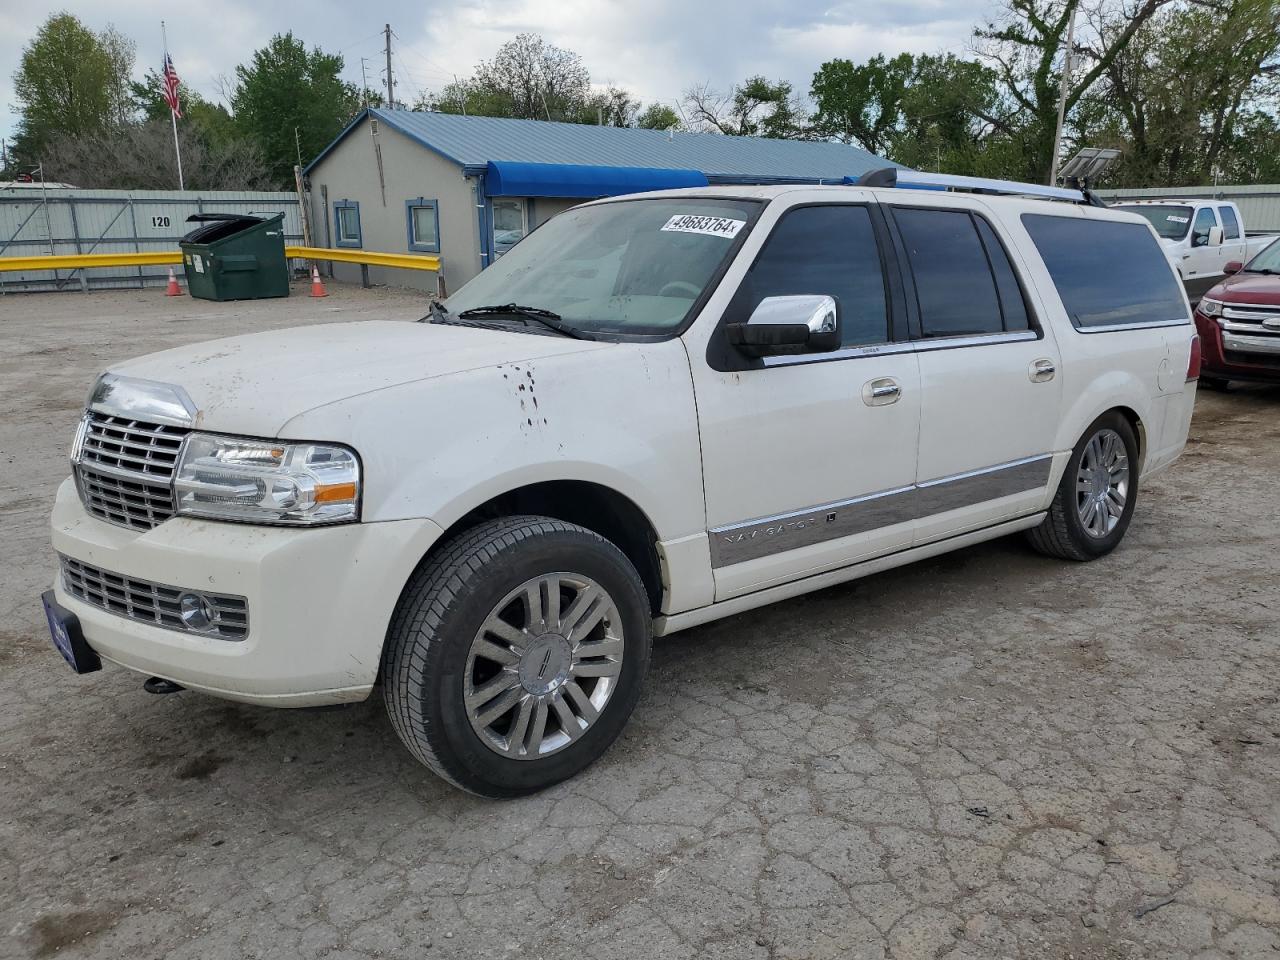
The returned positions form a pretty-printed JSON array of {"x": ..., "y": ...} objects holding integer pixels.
[
  {"x": 58, "y": 222},
  {"x": 1259, "y": 203}
]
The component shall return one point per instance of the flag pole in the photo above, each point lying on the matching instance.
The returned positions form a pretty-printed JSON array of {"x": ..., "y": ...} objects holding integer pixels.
[{"x": 173, "y": 114}]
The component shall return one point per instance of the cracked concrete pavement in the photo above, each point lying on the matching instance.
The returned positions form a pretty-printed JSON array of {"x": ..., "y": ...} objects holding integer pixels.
[{"x": 986, "y": 755}]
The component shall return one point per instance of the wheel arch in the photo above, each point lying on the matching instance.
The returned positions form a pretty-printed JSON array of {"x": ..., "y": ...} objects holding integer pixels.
[{"x": 595, "y": 506}]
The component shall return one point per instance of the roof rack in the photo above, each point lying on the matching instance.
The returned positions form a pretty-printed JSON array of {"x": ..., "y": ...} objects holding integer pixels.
[{"x": 916, "y": 180}]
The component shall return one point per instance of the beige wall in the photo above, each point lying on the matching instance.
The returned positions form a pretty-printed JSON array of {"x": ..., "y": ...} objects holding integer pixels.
[
  {"x": 410, "y": 170},
  {"x": 350, "y": 172}
]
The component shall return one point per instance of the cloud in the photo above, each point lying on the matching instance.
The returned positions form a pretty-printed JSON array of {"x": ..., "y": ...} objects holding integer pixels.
[{"x": 656, "y": 49}]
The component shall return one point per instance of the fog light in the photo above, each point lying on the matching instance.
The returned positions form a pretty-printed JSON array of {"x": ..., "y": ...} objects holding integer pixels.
[{"x": 197, "y": 612}]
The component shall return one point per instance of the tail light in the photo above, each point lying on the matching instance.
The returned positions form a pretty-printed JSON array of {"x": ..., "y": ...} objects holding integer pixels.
[{"x": 1193, "y": 362}]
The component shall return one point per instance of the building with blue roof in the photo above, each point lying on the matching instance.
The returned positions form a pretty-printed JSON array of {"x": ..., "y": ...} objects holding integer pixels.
[{"x": 468, "y": 188}]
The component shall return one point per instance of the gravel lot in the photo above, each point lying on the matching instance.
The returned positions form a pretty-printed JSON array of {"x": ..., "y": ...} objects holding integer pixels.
[{"x": 986, "y": 755}]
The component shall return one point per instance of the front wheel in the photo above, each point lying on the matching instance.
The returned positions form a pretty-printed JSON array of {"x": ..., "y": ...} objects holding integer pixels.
[
  {"x": 1095, "y": 499},
  {"x": 516, "y": 655}
]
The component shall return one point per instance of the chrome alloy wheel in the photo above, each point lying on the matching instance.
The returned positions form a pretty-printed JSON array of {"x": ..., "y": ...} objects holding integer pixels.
[
  {"x": 543, "y": 665},
  {"x": 1102, "y": 483}
]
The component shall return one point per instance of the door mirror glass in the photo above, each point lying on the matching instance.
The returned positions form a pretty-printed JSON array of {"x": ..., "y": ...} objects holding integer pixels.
[
  {"x": 1215, "y": 236},
  {"x": 1232, "y": 266},
  {"x": 789, "y": 325}
]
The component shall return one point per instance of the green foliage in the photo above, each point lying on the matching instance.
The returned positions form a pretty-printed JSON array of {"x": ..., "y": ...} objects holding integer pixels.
[
  {"x": 755, "y": 108},
  {"x": 212, "y": 120},
  {"x": 286, "y": 88},
  {"x": 70, "y": 81},
  {"x": 658, "y": 116}
]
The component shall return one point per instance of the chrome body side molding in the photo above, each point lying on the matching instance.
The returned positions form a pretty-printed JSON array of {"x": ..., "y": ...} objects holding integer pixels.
[{"x": 763, "y": 537}]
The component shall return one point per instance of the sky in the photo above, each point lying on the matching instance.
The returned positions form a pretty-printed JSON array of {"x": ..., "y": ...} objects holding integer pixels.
[{"x": 656, "y": 48}]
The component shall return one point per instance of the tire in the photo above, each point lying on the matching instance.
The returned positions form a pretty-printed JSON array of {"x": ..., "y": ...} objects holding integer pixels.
[
  {"x": 1064, "y": 532},
  {"x": 1215, "y": 383},
  {"x": 460, "y": 632}
]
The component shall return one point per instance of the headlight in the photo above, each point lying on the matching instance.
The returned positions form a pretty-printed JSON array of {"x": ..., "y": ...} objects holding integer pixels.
[
  {"x": 1210, "y": 307},
  {"x": 263, "y": 481}
]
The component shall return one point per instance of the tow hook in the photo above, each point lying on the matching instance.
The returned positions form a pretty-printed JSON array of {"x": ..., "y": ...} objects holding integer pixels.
[{"x": 158, "y": 685}]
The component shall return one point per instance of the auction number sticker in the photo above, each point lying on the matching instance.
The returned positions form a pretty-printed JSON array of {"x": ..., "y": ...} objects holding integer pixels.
[
  {"x": 708, "y": 226},
  {"x": 1173, "y": 219}
]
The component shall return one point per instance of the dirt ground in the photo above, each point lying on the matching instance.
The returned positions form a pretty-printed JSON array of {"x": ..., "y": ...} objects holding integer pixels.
[{"x": 986, "y": 755}]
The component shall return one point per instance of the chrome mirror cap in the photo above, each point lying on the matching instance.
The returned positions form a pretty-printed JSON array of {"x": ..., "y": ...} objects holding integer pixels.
[{"x": 817, "y": 312}]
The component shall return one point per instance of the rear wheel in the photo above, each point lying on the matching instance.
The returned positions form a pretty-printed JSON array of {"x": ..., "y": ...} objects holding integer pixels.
[
  {"x": 516, "y": 655},
  {"x": 1095, "y": 499}
]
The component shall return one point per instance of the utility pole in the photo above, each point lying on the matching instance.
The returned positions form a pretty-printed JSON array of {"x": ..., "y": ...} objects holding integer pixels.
[
  {"x": 391, "y": 95},
  {"x": 1062, "y": 96}
]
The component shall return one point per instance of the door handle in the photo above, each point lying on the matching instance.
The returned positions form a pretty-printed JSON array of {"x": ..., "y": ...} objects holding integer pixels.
[
  {"x": 880, "y": 392},
  {"x": 1042, "y": 370}
]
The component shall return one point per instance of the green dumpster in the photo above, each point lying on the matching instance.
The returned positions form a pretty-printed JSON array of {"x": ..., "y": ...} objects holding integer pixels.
[{"x": 233, "y": 256}]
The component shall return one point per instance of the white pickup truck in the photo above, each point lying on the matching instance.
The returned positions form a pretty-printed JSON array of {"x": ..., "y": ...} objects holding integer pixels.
[
  {"x": 653, "y": 412},
  {"x": 1200, "y": 237}
]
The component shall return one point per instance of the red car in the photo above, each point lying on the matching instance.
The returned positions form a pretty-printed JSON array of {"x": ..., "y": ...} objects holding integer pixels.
[{"x": 1239, "y": 323}]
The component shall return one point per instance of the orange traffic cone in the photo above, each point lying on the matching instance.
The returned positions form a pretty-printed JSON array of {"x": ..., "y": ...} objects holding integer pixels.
[
  {"x": 317, "y": 288},
  {"x": 173, "y": 290}
]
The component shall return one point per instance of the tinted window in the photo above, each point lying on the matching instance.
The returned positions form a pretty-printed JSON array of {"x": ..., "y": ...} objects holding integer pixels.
[
  {"x": 954, "y": 284},
  {"x": 1205, "y": 221},
  {"x": 1106, "y": 272},
  {"x": 1012, "y": 305},
  {"x": 828, "y": 250},
  {"x": 1230, "y": 224}
]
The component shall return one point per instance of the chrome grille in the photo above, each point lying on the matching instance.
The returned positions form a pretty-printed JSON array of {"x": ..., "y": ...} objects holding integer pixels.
[
  {"x": 153, "y": 603},
  {"x": 125, "y": 469}
]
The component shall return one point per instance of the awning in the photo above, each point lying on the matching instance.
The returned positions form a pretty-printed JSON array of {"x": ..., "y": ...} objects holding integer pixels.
[{"x": 506, "y": 179}]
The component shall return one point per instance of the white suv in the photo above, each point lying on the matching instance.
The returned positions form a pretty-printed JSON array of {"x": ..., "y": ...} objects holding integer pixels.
[{"x": 652, "y": 412}]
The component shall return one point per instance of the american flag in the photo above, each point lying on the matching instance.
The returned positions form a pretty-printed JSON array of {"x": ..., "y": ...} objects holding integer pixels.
[{"x": 170, "y": 82}]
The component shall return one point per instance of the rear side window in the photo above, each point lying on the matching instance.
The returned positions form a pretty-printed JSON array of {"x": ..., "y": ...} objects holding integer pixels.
[
  {"x": 829, "y": 250},
  {"x": 964, "y": 283},
  {"x": 1230, "y": 223},
  {"x": 1107, "y": 273}
]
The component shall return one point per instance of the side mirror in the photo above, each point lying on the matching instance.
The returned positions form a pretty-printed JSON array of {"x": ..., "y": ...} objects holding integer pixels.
[
  {"x": 789, "y": 325},
  {"x": 1215, "y": 236},
  {"x": 1232, "y": 266}
]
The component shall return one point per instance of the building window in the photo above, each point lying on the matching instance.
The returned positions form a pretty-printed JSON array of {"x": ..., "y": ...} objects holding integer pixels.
[
  {"x": 424, "y": 225},
  {"x": 508, "y": 224},
  {"x": 346, "y": 223}
]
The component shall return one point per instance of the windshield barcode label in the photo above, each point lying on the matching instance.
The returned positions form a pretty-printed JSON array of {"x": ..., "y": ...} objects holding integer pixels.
[{"x": 710, "y": 226}]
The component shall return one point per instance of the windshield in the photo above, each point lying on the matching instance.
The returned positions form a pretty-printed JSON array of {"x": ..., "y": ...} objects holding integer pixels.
[
  {"x": 628, "y": 267},
  {"x": 1267, "y": 260},
  {"x": 1170, "y": 220}
]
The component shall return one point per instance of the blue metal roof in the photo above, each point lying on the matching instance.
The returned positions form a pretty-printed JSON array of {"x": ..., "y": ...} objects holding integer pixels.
[{"x": 472, "y": 142}]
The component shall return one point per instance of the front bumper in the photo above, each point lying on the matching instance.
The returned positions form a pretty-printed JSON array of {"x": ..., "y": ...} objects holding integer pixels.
[
  {"x": 1237, "y": 356},
  {"x": 319, "y": 600}
]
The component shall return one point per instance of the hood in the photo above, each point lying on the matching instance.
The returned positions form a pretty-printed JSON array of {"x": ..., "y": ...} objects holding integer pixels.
[
  {"x": 1257, "y": 288},
  {"x": 255, "y": 384}
]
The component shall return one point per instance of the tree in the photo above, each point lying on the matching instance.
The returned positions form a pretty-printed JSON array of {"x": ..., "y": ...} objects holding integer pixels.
[
  {"x": 286, "y": 88},
  {"x": 70, "y": 81},
  {"x": 1192, "y": 95},
  {"x": 528, "y": 78},
  {"x": 861, "y": 103},
  {"x": 658, "y": 116},
  {"x": 754, "y": 108},
  {"x": 139, "y": 156},
  {"x": 1026, "y": 46},
  {"x": 213, "y": 121}
]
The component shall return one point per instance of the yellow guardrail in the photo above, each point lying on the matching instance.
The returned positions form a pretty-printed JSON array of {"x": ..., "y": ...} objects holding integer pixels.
[{"x": 80, "y": 261}]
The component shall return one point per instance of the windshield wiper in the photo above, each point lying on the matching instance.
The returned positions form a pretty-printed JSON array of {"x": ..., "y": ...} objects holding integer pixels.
[
  {"x": 548, "y": 318},
  {"x": 1265, "y": 270}
]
